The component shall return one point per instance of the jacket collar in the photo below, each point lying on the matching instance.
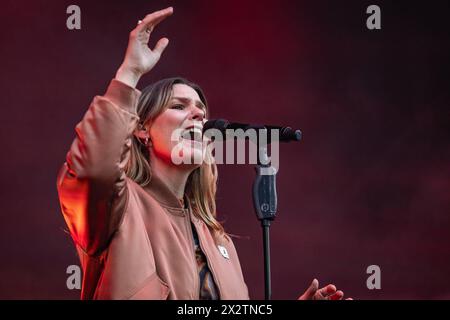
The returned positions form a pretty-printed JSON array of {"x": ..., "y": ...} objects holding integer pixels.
[{"x": 161, "y": 193}]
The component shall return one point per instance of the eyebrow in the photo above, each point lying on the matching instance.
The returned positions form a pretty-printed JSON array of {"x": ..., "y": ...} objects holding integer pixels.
[{"x": 198, "y": 103}]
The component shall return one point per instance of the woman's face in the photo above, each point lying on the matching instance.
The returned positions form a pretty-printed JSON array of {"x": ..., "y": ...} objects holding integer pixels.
[{"x": 176, "y": 134}]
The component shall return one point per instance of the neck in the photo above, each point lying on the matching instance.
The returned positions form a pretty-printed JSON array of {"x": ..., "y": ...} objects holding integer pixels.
[{"x": 175, "y": 177}]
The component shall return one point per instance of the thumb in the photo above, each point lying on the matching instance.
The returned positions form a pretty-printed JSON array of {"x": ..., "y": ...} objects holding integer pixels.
[
  {"x": 309, "y": 293},
  {"x": 161, "y": 45}
]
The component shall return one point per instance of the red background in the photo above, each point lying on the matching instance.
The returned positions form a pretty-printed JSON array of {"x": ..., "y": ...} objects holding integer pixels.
[{"x": 369, "y": 184}]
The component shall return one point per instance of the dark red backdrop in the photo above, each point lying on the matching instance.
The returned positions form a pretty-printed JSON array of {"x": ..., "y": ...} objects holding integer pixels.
[{"x": 368, "y": 185}]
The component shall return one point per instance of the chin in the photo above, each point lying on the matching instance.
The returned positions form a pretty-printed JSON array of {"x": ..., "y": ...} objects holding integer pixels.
[{"x": 193, "y": 153}]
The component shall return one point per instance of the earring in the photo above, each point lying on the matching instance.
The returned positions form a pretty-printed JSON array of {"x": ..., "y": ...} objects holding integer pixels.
[{"x": 146, "y": 141}]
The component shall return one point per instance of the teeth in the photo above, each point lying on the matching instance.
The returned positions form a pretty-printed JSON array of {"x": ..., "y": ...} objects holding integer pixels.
[{"x": 192, "y": 134}]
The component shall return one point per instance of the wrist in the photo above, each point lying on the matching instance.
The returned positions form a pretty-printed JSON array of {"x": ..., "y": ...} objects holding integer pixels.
[{"x": 128, "y": 76}]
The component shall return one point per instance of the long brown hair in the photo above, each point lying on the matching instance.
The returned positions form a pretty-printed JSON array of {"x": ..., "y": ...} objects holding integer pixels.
[{"x": 202, "y": 182}]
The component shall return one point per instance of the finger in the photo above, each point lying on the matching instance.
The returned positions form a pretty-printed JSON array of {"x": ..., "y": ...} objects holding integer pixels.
[
  {"x": 319, "y": 296},
  {"x": 328, "y": 290},
  {"x": 160, "y": 46},
  {"x": 325, "y": 292},
  {"x": 152, "y": 19},
  {"x": 311, "y": 291},
  {"x": 337, "y": 296},
  {"x": 349, "y": 299}
]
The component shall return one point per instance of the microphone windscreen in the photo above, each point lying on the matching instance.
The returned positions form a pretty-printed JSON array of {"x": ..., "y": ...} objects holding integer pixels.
[{"x": 219, "y": 124}]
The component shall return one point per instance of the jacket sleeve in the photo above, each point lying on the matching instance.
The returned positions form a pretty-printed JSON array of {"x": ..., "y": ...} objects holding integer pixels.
[{"x": 91, "y": 184}]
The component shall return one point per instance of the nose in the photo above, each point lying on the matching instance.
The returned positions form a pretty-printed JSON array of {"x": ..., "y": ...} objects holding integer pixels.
[{"x": 197, "y": 114}]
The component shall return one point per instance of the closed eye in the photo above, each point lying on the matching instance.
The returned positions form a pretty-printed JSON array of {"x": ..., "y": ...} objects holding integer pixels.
[{"x": 177, "y": 107}]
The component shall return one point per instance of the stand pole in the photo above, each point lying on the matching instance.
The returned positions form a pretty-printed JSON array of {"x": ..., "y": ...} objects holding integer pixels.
[
  {"x": 265, "y": 204},
  {"x": 266, "y": 241},
  {"x": 265, "y": 191}
]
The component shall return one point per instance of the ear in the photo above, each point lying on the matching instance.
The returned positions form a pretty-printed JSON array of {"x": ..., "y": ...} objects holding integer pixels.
[{"x": 141, "y": 132}]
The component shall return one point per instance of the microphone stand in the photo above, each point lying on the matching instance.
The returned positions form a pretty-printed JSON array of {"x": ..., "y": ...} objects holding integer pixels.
[
  {"x": 265, "y": 204},
  {"x": 264, "y": 185}
]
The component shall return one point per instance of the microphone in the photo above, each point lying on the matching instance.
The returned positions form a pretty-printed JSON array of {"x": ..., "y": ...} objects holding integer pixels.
[{"x": 286, "y": 134}]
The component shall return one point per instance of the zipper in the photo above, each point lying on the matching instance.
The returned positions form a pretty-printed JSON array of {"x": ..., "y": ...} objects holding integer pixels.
[
  {"x": 208, "y": 264},
  {"x": 196, "y": 275}
]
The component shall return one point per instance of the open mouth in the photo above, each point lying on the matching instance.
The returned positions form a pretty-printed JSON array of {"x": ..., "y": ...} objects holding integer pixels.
[{"x": 192, "y": 134}]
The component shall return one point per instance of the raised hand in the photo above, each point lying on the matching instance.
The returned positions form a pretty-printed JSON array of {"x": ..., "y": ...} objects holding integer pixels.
[
  {"x": 328, "y": 292},
  {"x": 139, "y": 58}
]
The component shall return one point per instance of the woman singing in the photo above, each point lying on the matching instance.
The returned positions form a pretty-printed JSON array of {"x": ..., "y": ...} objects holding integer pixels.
[{"x": 145, "y": 227}]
